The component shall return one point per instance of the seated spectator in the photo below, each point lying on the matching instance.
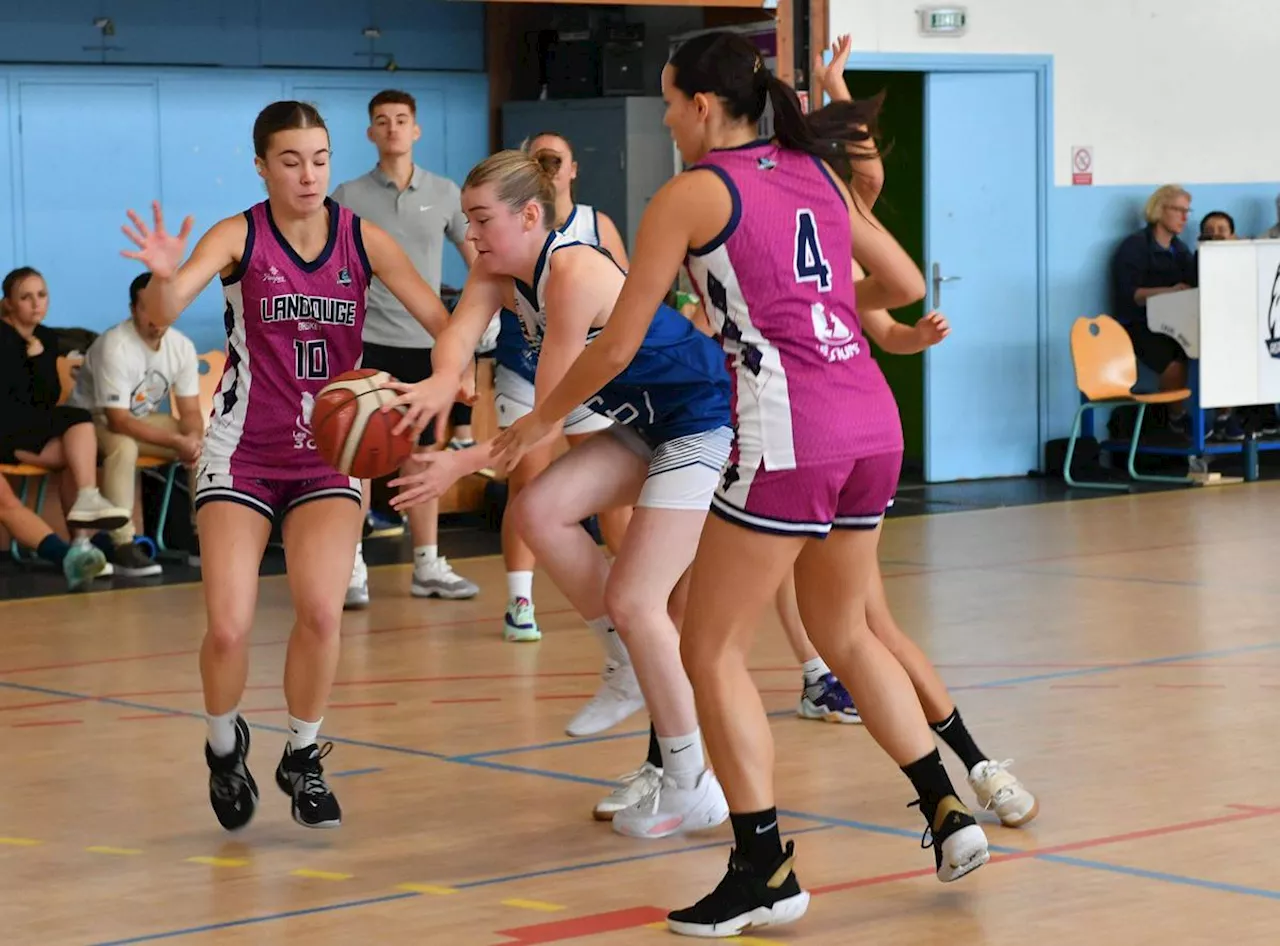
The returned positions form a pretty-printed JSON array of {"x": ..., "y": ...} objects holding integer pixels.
[
  {"x": 1217, "y": 225},
  {"x": 33, "y": 427},
  {"x": 1147, "y": 263},
  {"x": 125, "y": 380},
  {"x": 81, "y": 562}
]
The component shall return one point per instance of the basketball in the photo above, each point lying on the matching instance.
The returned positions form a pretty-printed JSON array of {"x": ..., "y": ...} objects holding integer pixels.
[{"x": 350, "y": 429}]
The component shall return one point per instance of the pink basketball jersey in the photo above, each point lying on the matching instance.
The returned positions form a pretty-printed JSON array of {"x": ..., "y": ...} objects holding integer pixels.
[
  {"x": 292, "y": 326},
  {"x": 777, "y": 285}
]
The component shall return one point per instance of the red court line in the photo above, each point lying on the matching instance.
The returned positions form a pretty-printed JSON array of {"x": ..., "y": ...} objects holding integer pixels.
[
  {"x": 148, "y": 716},
  {"x": 61, "y": 702},
  {"x": 1247, "y": 814},
  {"x": 593, "y": 925},
  {"x": 472, "y": 699},
  {"x": 332, "y": 706},
  {"x": 1084, "y": 686},
  {"x": 49, "y": 722},
  {"x": 1191, "y": 686}
]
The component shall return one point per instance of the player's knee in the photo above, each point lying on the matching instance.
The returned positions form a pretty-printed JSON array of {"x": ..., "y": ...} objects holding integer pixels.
[
  {"x": 319, "y": 619},
  {"x": 633, "y": 610},
  {"x": 229, "y": 634}
]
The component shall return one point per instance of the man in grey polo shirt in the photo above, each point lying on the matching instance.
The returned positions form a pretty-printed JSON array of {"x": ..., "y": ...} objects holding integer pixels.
[{"x": 419, "y": 210}]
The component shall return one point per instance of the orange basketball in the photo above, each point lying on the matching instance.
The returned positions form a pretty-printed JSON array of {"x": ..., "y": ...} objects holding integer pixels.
[{"x": 351, "y": 431}]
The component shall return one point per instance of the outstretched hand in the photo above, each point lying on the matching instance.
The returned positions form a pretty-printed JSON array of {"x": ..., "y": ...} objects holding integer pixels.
[
  {"x": 439, "y": 473},
  {"x": 158, "y": 249},
  {"x": 518, "y": 439}
]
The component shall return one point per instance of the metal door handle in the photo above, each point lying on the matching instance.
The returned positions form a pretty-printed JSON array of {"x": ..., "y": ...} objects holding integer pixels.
[{"x": 938, "y": 280}]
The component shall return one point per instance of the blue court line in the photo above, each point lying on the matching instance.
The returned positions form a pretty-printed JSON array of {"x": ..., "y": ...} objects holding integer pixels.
[
  {"x": 1161, "y": 875},
  {"x": 561, "y": 743},
  {"x": 353, "y": 772},
  {"x": 254, "y": 920},
  {"x": 1127, "y": 665},
  {"x": 589, "y": 865}
]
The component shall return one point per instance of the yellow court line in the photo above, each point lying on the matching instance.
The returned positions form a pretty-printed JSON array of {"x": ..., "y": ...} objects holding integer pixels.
[
  {"x": 113, "y": 850},
  {"x": 426, "y": 888},
  {"x": 19, "y": 842},
  {"x": 219, "y": 861},
  {"x": 319, "y": 874},
  {"x": 533, "y": 905}
]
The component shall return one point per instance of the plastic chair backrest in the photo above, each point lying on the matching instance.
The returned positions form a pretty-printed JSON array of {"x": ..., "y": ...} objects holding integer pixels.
[
  {"x": 209, "y": 381},
  {"x": 1102, "y": 353},
  {"x": 66, "y": 375}
]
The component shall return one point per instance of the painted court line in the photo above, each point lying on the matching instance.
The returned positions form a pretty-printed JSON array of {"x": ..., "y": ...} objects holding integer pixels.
[{"x": 254, "y": 920}]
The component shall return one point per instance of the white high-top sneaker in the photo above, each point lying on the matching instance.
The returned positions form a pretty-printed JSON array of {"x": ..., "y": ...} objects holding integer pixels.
[
  {"x": 998, "y": 789},
  {"x": 631, "y": 788},
  {"x": 669, "y": 809},
  {"x": 618, "y": 697}
]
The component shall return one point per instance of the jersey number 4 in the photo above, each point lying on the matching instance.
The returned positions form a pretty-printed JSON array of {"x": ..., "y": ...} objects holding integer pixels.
[
  {"x": 811, "y": 265},
  {"x": 311, "y": 359}
]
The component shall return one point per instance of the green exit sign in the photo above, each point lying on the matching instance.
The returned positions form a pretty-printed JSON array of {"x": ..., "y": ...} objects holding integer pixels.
[{"x": 943, "y": 21}]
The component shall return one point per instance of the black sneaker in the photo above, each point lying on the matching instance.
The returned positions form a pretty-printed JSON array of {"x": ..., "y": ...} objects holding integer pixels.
[
  {"x": 132, "y": 561},
  {"x": 232, "y": 790},
  {"x": 743, "y": 900},
  {"x": 301, "y": 776},
  {"x": 959, "y": 844}
]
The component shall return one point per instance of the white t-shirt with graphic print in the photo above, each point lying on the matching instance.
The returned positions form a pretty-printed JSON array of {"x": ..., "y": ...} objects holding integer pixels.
[{"x": 122, "y": 371}]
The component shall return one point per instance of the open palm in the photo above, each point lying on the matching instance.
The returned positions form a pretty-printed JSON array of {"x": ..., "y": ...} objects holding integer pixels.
[{"x": 158, "y": 250}]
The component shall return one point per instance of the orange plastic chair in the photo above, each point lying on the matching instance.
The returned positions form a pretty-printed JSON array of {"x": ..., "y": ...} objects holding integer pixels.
[{"x": 1106, "y": 371}]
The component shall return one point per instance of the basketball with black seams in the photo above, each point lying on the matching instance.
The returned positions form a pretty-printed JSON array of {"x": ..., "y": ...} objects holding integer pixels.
[{"x": 352, "y": 432}]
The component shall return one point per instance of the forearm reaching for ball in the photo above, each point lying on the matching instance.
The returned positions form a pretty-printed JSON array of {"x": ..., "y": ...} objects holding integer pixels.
[{"x": 441, "y": 469}]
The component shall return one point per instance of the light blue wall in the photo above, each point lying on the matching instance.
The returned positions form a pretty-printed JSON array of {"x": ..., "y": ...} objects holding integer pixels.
[
  {"x": 1085, "y": 225},
  {"x": 80, "y": 144},
  {"x": 321, "y": 34}
]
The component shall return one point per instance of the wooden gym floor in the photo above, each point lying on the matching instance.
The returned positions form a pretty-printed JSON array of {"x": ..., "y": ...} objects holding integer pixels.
[{"x": 1123, "y": 651}]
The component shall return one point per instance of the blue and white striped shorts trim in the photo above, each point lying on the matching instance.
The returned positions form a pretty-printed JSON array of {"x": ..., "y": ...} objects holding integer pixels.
[{"x": 683, "y": 472}]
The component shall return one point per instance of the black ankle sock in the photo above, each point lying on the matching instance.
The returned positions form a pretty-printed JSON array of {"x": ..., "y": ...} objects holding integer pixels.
[
  {"x": 755, "y": 834},
  {"x": 52, "y": 549},
  {"x": 655, "y": 751},
  {"x": 931, "y": 782},
  {"x": 956, "y": 735}
]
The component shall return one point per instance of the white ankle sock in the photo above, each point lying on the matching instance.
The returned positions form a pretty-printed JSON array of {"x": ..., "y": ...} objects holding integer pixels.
[
  {"x": 222, "y": 732},
  {"x": 425, "y": 554},
  {"x": 814, "y": 670},
  {"x": 302, "y": 733},
  {"x": 614, "y": 649},
  {"x": 359, "y": 552},
  {"x": 520, "y": 585},
  {"x": 682, "y": 758}
]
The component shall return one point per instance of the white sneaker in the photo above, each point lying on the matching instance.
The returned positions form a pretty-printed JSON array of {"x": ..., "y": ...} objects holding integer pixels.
[
  {"x": 92, "y": 512},
  {"x": 437, "y": 579},
  {"x": 997, "y": 788},
  {"x": 616, "y": 699},
  {"x": 358, "y": 587},
  {"x": 631, "y": 788},
  {"x": 669, "y": 809}
]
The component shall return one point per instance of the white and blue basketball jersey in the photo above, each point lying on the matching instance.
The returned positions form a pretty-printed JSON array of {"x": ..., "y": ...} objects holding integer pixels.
[
  {"x": 677, "y": 383},
  {"x": 511, "y": 349}
]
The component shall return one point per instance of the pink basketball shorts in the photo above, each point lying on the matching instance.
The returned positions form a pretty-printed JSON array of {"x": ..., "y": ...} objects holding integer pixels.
[
  {"x": 810, "y": 500},
  {"x": 272, "y": 497}
]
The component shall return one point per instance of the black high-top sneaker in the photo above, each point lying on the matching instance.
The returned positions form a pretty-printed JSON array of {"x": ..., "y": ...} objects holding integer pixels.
[
  {"x": 958, "y": 842},
  {"x": 745, "y": 900},
  {"x": 232, "y": 790},
  {"x": 301, "y": 776}
]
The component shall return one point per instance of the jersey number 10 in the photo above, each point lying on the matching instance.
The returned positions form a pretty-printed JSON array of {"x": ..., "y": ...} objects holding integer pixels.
[
  {"x": 811, "y": 265},
  {"x": 311, "y": 359}
]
